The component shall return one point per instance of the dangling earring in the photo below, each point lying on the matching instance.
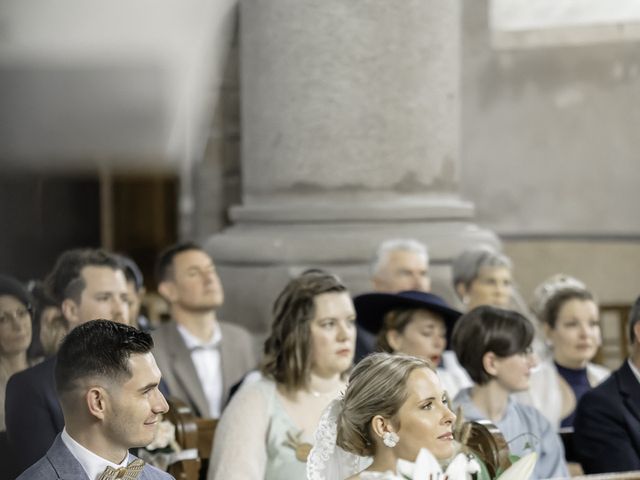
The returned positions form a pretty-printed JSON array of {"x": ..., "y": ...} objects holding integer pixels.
[{"x": 390, "y": 439}]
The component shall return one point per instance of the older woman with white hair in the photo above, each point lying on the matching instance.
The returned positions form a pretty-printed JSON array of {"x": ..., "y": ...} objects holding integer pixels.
[{"x": 483, "y": 276}]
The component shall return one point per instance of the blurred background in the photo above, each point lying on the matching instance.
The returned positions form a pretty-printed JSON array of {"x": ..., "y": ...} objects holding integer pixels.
[{"x": 296, "y": 133}]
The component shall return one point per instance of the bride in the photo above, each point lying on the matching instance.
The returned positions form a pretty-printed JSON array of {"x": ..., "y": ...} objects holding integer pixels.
[{"x": 393, "y": 407}]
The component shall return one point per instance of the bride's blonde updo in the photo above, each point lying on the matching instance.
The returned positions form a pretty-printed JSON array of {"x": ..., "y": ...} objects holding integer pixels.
[{"x": 377, "y": 386}]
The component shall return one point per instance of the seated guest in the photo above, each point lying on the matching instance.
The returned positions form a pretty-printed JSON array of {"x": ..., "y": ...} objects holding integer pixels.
[
  {"x": 87, "y": 284},
  {"x": 48, "y": 324},
  {"x": 482, "y": 276},
  {"x": 107, "y": 381},
  {"x": 266, "y": 431},
  {"x": 494, "y": 346},
  {"x": 399, "y": 264},
  {"x": 136, "y": 292},
  {"x": 607, "y": 422},
  {"x": 414, "y": 323},
  {"x": 200, "y": 357},
  {"x": 15, "y": 334},
  {"x": 393, "y": 407},
  {"x": 570, "y": 318}
]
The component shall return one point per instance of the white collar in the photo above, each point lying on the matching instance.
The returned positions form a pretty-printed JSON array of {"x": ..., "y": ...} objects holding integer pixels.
[
  {"x": 192, "y": 342},
  {"x": 634, "y": 369},
  {"x": 92, "y": 464}
]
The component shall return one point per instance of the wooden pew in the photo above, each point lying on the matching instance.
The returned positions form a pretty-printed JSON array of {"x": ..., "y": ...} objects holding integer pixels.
[
  {"x": 191, "y": 432},
  {"x": 609, "y": 476},
  {"x": 483, "y": 438}
]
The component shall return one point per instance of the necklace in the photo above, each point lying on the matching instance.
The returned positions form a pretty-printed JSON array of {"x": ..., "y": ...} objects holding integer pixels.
[
  {"x": 317, "y": 394},
  {"x": 330, "y": 393}
]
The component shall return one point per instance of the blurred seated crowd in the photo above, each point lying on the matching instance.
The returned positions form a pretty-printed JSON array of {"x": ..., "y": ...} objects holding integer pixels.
[{"x": 344, "y": 386}]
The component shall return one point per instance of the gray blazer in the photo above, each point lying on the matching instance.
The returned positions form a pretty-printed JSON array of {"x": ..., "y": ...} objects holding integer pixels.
[
  {"x": 61, "y": 464},
  {"x": 237, "y": 357}
]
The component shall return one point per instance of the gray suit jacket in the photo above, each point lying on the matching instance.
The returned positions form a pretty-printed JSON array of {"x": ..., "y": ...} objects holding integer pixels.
[
  {"x": 59, "y": 463},
  {"x": 237, "y": 357}
]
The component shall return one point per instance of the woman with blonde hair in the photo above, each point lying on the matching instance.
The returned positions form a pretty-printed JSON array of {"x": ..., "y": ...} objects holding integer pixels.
[
  {"x": 266, "y": 431},
  {"x": 393, "y": 407},
  {"x": 569, "y": 315}
]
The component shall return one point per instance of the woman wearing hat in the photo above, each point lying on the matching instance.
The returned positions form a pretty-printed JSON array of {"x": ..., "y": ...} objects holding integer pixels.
[
  {"x": 15, "y": 333},
  {"x": 414, "y": 323}
]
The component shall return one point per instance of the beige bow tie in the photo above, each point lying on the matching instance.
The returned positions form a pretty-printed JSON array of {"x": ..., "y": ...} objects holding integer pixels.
[{"x": 130, "y": 472}]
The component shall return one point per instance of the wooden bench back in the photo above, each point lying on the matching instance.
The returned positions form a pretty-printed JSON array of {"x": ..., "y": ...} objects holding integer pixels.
[
  {"x": 483, "y": 438},
  {"x": 191, "y": 432}
]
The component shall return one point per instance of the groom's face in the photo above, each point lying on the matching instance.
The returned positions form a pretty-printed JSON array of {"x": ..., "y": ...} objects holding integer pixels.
[{"x": 136, "y": 406}]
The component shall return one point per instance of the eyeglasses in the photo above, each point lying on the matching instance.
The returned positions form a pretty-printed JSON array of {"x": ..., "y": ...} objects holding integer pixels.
[{"x": 18, "y": 315}]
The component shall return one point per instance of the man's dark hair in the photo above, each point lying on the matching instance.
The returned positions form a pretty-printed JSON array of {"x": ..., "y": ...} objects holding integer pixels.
[
  {"x": 98, "y": 348},
  {"x": 489, "y": 329},
  {"x": 132, "y": 271},
  {"x": 164, "y": 265},
  {"x": 65, "y": 280}
]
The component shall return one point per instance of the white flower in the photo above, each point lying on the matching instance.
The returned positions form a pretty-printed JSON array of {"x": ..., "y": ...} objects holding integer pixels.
[
  {"x": 522, "y": 469},
  {"x": 165, "y": 435},
  {"x": 426, "y": 466}
]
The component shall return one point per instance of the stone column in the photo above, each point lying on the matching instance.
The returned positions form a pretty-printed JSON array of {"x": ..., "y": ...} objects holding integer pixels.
[{"x": 350, "y": 135}]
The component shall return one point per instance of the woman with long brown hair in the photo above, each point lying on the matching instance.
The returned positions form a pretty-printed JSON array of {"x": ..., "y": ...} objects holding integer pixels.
[{"x": 266, "y": 432}]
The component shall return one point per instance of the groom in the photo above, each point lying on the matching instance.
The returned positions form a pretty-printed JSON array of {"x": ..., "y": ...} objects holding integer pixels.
[{"x": 107, "y": 382}]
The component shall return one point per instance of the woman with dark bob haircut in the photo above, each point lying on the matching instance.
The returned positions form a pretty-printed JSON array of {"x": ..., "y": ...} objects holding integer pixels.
[
  {"x": 267, "y": 430},
  {"x": 494, "y": 346}
]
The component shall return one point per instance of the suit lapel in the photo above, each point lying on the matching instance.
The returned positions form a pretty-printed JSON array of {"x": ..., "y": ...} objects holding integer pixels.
[
  {"x": 225, "y": 354},
  {"x": 630, "y": 391},
  {"x": 185, "y": 373},
  {"x": 64, "y": 463}
]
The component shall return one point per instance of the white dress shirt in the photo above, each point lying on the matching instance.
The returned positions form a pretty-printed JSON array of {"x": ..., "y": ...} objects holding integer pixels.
[
  {"x": 206, "y": 358},
  {"x": 93, "y": 465}
]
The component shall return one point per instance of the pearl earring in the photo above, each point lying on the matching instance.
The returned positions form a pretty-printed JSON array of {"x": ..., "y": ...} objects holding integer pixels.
[{"x": 390, "y": 439}]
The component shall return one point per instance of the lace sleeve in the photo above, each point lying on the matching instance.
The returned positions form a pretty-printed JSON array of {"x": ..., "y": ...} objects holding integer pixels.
[
  {"x": 327, "y": 461},
  {"x": 239, "y": 448}
]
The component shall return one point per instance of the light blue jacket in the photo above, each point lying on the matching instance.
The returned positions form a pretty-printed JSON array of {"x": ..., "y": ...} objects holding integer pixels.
[{"x": 59, "y": 463}]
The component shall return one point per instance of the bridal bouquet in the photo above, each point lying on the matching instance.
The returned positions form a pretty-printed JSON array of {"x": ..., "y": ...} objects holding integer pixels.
[{"x": 426, "y": 467}]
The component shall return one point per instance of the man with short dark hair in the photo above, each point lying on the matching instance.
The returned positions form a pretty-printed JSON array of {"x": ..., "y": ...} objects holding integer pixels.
[
  {"x": 107, "y": 381},
  {"x": 87, "y": 284},
  {"x": 607, "y": 423},
  {"x": 200, "y": 357}
]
